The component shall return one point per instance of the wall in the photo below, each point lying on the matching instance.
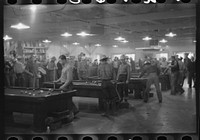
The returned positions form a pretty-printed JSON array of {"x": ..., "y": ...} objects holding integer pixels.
[
  {"x": 57, "y": 49},
  {"x": 171, "y": 49}
]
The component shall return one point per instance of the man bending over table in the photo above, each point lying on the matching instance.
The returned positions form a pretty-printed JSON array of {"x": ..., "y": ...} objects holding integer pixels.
[
  {"x": 66, "y": 78},
  {"x": 66, "y": 74}
]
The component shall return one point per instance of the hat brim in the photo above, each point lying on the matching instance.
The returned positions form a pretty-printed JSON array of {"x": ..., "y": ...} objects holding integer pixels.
[{"x": 105, "y": 58}]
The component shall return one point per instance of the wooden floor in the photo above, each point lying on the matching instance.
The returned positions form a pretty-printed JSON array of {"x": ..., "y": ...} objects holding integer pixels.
[{"x": 177, "y": 114}]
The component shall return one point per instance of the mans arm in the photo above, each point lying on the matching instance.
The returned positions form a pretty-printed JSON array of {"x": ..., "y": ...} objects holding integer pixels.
[
  {"x": 69, "y": 78},
  {"x": 143, "y": 72}
]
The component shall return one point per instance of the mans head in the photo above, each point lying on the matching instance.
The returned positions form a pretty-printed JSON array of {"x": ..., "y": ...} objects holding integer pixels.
[
  {"x": 62, "y": 59},
  {"x": 186, "y": 55},
  {"x": 104, "y": 59},
  {"x": 123, "y": 58},
  {"x": 192, "y": 58},
  {"x": 172, "y": 57}
]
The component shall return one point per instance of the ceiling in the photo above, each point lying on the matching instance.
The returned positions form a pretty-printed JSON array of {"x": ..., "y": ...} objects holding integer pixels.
[{"x": 133, "y": 21}]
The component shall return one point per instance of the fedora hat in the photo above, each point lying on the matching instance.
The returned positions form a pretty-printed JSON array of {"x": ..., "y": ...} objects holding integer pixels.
[{"x": 103, "y": 57}]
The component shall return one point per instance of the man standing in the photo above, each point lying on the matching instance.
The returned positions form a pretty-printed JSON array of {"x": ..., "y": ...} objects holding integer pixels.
[
  {"x": 123, "y": 75},
  {"x": 187, "y": 62},
  {"x": 181, "y": 73},
  {"x": 82, "y": 67},
  {"x": 110, "y": 96},
  {"x": 174, "y": 75},
  {"x": 66, "y": 78},
  {"x": 152, "y": 70},
  {"x": 191, "y": 72}
]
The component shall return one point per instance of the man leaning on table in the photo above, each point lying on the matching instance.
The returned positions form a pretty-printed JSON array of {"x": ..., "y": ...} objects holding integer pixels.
[{"x": 66, "y": 75}]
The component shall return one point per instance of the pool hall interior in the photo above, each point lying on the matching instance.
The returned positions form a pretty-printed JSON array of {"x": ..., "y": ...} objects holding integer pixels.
[{"x": 93, "y": 69}]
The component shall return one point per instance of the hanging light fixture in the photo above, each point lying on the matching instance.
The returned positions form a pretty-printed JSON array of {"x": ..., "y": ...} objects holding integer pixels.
[
  {"x": 147, "y": 38},
  {"x": 66, "y": 34},
  {"x": 83, "y": 34},
  {"x": 97, "y": 45},
  {"x": 6, "y": 37},
  {"x": 124, "y": 41},
  {"x": 20, "y": 26},
  {"x": 163, "y": 41},
  {"x": 170, "y": 34},
  {"x": 76, "y": 43},
  {"x": 46, "y": 41},
  {"x": 119, "y": 38}
]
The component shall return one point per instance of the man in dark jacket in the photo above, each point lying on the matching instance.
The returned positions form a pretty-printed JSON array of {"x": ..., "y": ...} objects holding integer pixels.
[{"x": 191, "y": 72}]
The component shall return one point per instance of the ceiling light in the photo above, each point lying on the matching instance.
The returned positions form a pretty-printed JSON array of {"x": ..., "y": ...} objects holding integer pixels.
[
  {"x": 6, "y": 37},
  {"x": 147, "y": 38},
  {"x": 66, "y": 34},
  {"x": 163, "y": 41},
  {"x": 20, "y": 26},
  {"x": 75, "y": 43},
  {"x": 115, "y": 46},
  {"x": 170, "y": 34},
  {"x": 84, "y": 34},
  {"x": 46, "y": 41},
  {"x": 124, "y": 41},
  {"x": 194, "y": 41},
  {"x": 119, "y": 38},
  {"x": 97, "y": 45}
]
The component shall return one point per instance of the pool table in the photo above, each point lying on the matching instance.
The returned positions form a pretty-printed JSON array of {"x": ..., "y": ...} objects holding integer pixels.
[
  {"x": 91, "y": 89},
  {"x": 138, "y": 85},
  {"x": 39, "y": 102}
]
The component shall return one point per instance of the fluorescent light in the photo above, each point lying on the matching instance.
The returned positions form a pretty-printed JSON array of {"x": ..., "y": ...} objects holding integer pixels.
[
  {"x": 146, "y": 38},
  {"x": 6, "y": 37},
  {"x": 66, "y": 34},
  {"x": 46, "y": 41},
  {"x": 124, "y": 41},
  {"x": 84, "y": 34},
  {"x": 97, "y": 45},
  {"x": 115, "y": 46},
  {"x": 170, "y": 34},
  {"x": 119, "y": 38},
  {"x": 20, "y": 26},
  {"x": 163, "y": 41},
  {"x": 75, "y": 43}
]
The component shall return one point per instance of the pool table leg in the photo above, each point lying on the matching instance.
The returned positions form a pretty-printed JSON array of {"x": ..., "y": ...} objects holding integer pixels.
[
  {"x": 101, "y": 104},
  {"x": 39, "y": 121},
  {"x": 9, "y": 118}
]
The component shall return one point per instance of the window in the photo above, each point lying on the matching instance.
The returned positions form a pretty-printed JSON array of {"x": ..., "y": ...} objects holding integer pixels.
[{"x": 161, "y": 55}]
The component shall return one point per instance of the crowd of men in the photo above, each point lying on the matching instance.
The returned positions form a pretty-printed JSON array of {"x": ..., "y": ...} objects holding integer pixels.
[{"x": 32, "y": 73}]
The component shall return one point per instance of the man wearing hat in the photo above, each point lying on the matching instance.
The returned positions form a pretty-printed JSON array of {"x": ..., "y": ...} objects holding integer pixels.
[
  {"x": 82, "y": 67},
  {"x": 152, "y": 70},
  {"x": 110, "y": 96},
  {"x": 123, "y": 75},
  {"x": 174, "y": 75}
]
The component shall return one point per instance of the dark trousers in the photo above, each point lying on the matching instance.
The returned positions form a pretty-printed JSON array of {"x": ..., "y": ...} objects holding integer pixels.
[
  {"x": 152, "y": 79},
  {"x": 191, "y": 76},
  {"x": 19, "y": 80},
  {"x": 123, "y": 90},
  {"x": 174, "y": 82},
  {"x": 7, "y": 79}
]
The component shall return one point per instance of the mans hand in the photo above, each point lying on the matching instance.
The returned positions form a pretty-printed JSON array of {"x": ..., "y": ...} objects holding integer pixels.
[{"x": 62, "y": 87}]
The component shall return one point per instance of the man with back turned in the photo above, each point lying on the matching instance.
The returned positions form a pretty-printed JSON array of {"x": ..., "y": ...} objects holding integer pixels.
[{"x": 152, "y": 69}]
